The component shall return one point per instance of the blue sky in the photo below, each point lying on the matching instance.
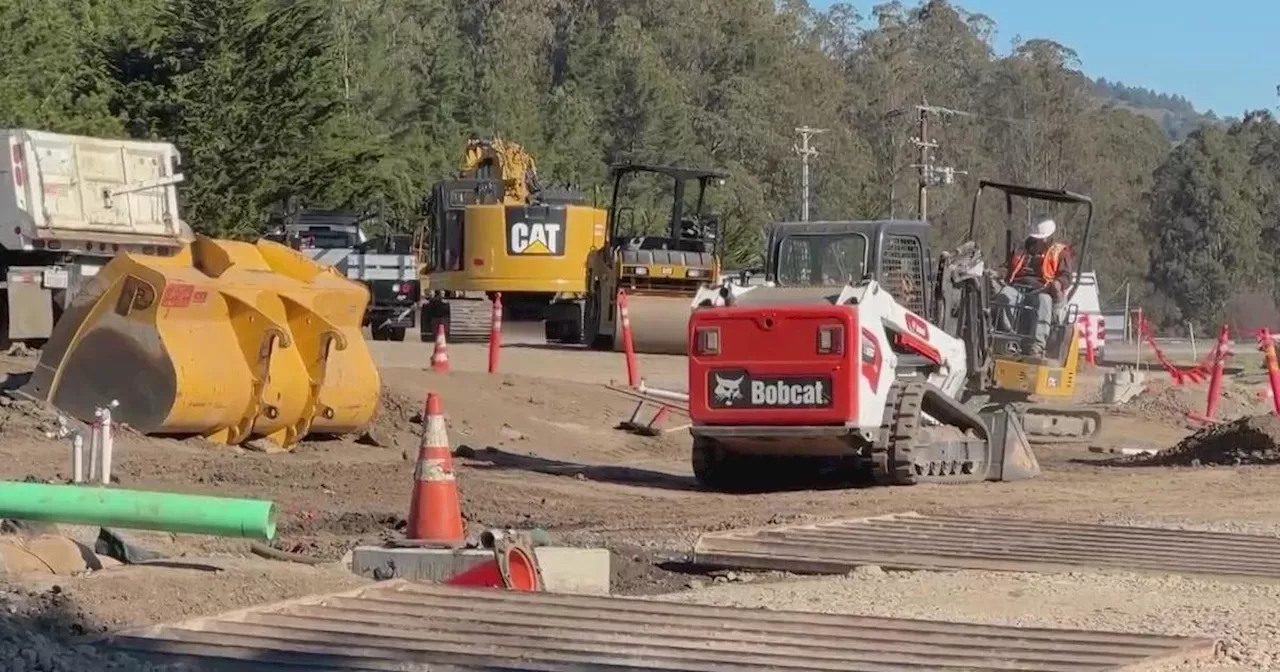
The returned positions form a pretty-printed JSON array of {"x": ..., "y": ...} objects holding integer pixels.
[{"x": 1222, "y": 55}]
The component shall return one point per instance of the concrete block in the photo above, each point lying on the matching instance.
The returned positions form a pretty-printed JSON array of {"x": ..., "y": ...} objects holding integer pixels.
[
  {"x": 415, "y": 564},
  {"x": 584, "y": 571},
  {"x": 1119, "y": 387},
  {"x": 564, "y": 569}
]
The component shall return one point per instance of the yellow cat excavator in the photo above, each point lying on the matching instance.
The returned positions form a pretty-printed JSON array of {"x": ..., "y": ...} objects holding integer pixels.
[{"x": 497, "y": 228}]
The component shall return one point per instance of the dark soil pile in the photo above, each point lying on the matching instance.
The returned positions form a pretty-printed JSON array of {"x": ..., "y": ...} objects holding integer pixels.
[
  {"x": 37, "y": 630},
  {"x": 1248, "y": 440}
]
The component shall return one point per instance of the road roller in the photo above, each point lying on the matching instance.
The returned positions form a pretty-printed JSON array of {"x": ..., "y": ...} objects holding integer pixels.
[{"x": 660, "y": 273}]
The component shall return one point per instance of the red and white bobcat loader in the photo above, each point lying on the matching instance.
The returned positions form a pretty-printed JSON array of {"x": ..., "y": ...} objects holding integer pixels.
[{"x": 826, "y": 362}]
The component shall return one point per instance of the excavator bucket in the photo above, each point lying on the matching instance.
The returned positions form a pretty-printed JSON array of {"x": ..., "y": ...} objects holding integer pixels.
[
  {"x": 659, "y": 324},
  {"x": 1011, "y": 455},
  {"x": 227, "y": 340}
]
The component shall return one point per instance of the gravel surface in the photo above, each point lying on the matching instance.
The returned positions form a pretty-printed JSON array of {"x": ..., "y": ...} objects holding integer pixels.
[
  {"x": 536, "y": 447},
  {"x": 35, "y": 629},
  {"x": 1244, "y": 617}
]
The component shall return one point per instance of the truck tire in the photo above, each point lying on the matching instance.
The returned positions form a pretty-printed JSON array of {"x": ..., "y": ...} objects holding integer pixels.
[
  {"x": 396, "y": 334},
  {"x": 378, "y": 333},
  {"x": 564, "y": 323}
]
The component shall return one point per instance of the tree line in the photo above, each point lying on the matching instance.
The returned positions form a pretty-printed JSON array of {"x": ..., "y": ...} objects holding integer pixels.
[{"x": 343, "y": 103}]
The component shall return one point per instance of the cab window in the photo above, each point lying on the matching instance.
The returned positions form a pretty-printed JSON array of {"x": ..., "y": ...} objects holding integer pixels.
[{"x": 821, "y": 260}]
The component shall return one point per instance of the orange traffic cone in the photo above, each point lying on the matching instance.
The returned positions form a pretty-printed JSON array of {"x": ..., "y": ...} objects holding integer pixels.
[
  {"x": 440, "y": 355},
  {"x": 514, "y": 567},
  {"x": 435, "y": 510}
]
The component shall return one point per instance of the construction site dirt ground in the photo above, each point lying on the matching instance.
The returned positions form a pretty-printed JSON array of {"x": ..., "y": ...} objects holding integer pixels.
[{"x": 537, "y": 447}]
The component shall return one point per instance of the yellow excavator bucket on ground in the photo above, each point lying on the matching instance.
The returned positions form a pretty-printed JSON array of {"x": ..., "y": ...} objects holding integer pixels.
[{"x": 228, "y": 340}]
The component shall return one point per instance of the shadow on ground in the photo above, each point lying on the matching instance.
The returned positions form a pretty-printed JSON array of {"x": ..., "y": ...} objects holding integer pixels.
[
  {"x": 809, "y": 475},
  {"x": 545, "y": 346}
]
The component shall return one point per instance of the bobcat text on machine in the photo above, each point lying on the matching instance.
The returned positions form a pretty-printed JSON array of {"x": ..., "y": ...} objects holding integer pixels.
[
  {"x": 68, "y": 204},
  {"x": 836, "y": 358},
  {"x": 384, "y": 264}
]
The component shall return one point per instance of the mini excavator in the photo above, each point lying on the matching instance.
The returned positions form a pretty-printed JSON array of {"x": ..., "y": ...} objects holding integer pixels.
[
  {"x": 859, "y": 347},
  {"x": 1001, "y": 368}
]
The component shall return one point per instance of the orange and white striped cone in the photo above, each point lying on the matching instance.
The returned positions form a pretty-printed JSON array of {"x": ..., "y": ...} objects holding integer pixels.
[
  {"x": 435, "y": 509},
  {"x": 440, "y": 355}
]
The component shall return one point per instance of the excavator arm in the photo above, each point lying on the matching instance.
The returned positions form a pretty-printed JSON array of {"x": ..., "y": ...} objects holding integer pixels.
[{"x": 504, "y": 160}]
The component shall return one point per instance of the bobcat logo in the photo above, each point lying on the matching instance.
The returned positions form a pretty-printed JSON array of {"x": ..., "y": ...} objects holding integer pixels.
[{"x": 728, "y": 389}]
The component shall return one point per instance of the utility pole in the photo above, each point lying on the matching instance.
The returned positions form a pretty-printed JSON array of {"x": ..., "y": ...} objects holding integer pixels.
[
  {"x": 924, "y": 166},
  {"x": 930, "y": 175},
  {"x": 805, "y": 150}
]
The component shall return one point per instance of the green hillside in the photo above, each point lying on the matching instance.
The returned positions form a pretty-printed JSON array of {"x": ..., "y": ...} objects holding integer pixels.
[{"x": 1175, "y": 114}]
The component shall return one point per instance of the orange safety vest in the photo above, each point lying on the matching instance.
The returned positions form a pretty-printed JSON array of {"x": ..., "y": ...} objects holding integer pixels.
[{"x": 1048, "y": 268}]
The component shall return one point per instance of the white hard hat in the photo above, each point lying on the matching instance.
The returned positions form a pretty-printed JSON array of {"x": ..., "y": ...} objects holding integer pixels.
[{"x": 1043, "y": 229}]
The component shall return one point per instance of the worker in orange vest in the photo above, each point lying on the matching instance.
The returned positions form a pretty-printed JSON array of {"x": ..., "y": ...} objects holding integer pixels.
[{"x": 1038, "y": 279}]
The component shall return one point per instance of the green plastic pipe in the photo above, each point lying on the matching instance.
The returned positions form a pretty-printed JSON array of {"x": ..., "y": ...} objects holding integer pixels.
[{"x": 138, "y": 510}]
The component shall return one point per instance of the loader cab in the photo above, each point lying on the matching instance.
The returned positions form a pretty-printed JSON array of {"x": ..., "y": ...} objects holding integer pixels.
[
  {"x": 894, "y": 253},
  {"x": 1016, "y": 343},
  {"x": 689, "y": 227}
]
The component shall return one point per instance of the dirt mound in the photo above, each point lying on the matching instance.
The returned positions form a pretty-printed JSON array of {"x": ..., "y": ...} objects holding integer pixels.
[
  {"x": 1248, "y": 440},
  {"x": 1168, "y": 402},
  {"x": 24, "y": 417},
  {"x": 328, "y": 536},
  {"x": 393, "y": 424}
]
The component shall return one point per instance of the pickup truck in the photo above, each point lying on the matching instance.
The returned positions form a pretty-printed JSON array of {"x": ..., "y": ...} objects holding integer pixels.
[{"x": 385, "y": 264}]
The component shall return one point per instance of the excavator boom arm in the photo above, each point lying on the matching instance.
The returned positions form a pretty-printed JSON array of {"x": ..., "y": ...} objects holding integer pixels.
[{"x": 503, "y": 160}]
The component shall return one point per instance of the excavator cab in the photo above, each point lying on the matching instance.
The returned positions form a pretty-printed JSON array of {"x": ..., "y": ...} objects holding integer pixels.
[
  {"x": 660, "y": 272},
  {"x": 1013, "y": 367}
]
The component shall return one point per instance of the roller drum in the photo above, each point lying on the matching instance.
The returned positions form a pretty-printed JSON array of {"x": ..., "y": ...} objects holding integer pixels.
[{"x": 659, "y": 324}]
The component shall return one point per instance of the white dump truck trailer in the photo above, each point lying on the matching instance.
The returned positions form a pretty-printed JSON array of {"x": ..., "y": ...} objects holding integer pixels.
[{"x": 68, "y": 204}]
